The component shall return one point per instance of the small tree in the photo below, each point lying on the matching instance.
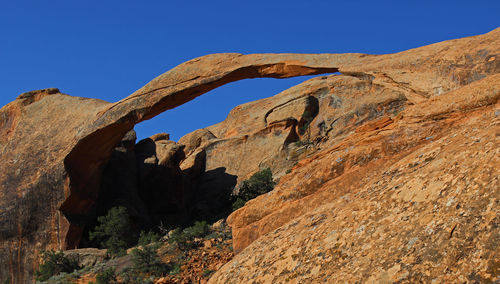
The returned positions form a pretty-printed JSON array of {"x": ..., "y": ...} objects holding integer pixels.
[
  {"x": 114, "y": 231},
  {"x": 238, "y": 203},
  {"x": 146, "y": 260},
  {"x": 106, "y": 277},
  {"x": 54, "y": 263},
  {"x": 147, "y": 238},
  {"x": 185, "y": 238},
  {"x": 198, "y": 230},
  {"x": 259, "y": 183}
]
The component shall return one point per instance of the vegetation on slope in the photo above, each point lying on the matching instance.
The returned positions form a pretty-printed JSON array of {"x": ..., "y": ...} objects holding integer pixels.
[{"x": 187, "y": 254}]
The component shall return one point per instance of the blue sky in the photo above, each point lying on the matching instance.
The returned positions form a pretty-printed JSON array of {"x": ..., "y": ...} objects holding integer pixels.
[{"x": 108, "y": 49}]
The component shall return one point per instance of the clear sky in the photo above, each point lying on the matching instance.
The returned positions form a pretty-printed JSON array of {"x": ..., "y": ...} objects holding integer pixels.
[{"x": 108, "y": 49}]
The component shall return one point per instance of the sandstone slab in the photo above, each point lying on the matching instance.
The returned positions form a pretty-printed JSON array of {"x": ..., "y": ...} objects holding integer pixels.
[{"x": 54, "y": 147}]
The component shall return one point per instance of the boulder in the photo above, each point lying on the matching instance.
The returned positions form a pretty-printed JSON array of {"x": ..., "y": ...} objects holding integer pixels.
[
  {"x": 87, "y": 257},
  {"x": 196, "y": 139}
]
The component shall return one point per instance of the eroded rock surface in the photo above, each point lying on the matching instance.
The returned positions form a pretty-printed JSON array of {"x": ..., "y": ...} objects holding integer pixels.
[
  {"x": 54, "y": 147},
  {"x": 400, "y": 197},
  {"x": 415, "y": 200}
]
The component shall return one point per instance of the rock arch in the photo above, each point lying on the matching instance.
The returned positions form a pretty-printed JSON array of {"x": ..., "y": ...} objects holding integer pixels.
[
  {"x": 53, "y": 146},
  {"x": 85, "y": 161}
]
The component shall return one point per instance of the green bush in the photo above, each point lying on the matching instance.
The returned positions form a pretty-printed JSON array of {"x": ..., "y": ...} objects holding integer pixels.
[
  {"x": 113, "y": 232},
  {"x": 238, "y": 203},
  {"x": 184, "y": 238},
  {"x": 148, "y": 238},
  {"x": 198, "y": 230},
  {"x": 259, "y": 183},
  {"x": 177, "y": 237},
  {"x": 54, "y": 263},
  {"x": 146, "y": 261},
  {"x": 130, "y": 276},
  {"x": 105, "y": 277},
  {"x": 176, "y": 269},
  {"x": 207, "y": 272}
]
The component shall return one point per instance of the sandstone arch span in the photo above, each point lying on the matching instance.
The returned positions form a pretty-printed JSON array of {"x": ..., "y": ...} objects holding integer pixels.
[
  {"x": 185, "y": 82},
  {"x": 53, "y": 146}
]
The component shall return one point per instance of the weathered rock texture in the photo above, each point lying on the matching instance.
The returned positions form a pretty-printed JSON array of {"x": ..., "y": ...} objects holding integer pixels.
[
  {"x": 54, "y": 149},
  {"x": 397, "y": 185},
  {"x": 410, "y": 199}
]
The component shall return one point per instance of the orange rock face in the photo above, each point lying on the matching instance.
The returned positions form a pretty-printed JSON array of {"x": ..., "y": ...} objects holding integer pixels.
[
  {"x": 53, "y": 148},
  {"x": 411, "y": 202},
  {"x": 408, "y": 193},
  {"x": 339, "y": 133}
]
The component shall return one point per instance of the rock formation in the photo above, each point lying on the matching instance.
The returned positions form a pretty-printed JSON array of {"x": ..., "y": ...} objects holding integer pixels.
[
  {"x": 54, "y": 147},
  {"x": 396, "y": 157},
  {"x": 412, "y": 198}
]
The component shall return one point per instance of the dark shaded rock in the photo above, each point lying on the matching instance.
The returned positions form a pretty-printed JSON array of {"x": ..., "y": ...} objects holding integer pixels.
[{"x": 161, "y": 181}]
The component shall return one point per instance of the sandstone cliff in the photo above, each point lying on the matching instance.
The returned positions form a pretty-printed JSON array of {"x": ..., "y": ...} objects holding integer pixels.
[
  {"x": 388, "y": 172},
  {"x": 410, "y": 198},
  {"x": 54, "y": 147}
]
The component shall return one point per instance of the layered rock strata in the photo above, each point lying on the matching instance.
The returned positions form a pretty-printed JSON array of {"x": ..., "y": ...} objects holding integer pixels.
[{"x": 54, "y": 148}]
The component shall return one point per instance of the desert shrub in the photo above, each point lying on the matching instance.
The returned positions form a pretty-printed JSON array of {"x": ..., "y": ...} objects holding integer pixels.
[
  {"x": 198, "y": 230},
  {"x": 146, "y": 261},
  {"x": 54, "y": 263},
  {"x": 130, "y": 276},
  {"x": 148, "y": 238},
  {"x": 176, "y": 269},
  {"x": 177, "y": 237},
  {"x": 259, "y": 183},
  {"x": 113, "y": 231},
  {"x": 238, "y": 203},
  {"x": 105, "y": 277},
  {"x": 185, "y": 238},
  {"x": 207, "y": 272}
]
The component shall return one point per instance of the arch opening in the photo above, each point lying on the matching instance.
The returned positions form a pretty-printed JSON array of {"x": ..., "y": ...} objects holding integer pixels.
[
  {"x": 213, "y": 107},
  {"x": 87, "y": 161}
]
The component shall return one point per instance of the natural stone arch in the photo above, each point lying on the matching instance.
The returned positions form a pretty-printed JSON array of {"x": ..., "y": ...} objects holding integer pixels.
[
  {"x": 53, "y": 146},
  {"x": 185, "y": 82}
]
